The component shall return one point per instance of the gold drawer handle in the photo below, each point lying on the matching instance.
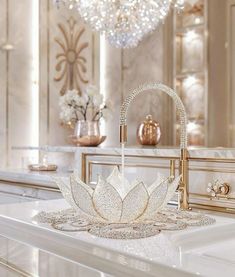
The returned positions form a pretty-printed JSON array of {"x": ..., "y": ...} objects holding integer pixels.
[{"x": 217, "y": 189}]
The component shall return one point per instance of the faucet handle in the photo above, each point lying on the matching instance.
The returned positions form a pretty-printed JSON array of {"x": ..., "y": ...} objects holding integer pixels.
[
  {"x": 217, "y": 189},
  {"x": 172, "y": 170}
]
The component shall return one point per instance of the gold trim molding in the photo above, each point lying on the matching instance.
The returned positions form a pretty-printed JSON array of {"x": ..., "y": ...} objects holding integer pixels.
[
  {"x": 13, "y": 268},
  {"x": 31, "y": 185},
  {"x": 212, "y": 208}
]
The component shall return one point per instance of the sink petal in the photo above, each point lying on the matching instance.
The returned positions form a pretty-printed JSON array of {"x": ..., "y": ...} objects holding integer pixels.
[
  {"x": 82, "y": 195},
  {"x": 64, "y": 185},
  {"x": 107, "y": 201},
  {"x": 156, "y": 200},
  {"x": 115, "y": 179},
  {"x": 135, "y": 203}
]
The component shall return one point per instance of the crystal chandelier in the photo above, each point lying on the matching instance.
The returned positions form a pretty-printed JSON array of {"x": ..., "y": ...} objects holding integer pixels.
[{"x": 124, "y": 22}]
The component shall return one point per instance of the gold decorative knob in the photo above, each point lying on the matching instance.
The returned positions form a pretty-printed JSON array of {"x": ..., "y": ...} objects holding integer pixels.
[
  {"x": 218, "y": 189},
  {"x": 224, "y": 189}
]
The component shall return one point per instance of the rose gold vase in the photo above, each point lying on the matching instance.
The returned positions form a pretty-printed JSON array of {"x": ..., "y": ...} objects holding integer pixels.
[
  {"x": 149, "y": 132},
  {"x": 87, "y": 133}
]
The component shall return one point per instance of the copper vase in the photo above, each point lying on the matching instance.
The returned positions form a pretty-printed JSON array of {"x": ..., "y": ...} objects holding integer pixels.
[{"x": 149, "y": 132}]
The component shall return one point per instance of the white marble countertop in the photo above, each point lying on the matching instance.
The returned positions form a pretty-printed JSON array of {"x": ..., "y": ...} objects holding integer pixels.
[
  {"x": 195, "y": 251},
  {"x": 31, "y": 177},
  {"x": 218, "y": 152}
]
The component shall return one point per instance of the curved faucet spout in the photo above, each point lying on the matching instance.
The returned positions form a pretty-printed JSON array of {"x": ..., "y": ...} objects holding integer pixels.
[
  {"x": 183, "y": 130},
  {"x": 148, "y": 87}
]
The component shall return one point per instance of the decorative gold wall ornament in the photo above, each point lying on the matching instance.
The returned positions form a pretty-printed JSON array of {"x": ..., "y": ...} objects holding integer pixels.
[
  {"x": 71, "y": 64},
  {"x": 197, "y": 8}
]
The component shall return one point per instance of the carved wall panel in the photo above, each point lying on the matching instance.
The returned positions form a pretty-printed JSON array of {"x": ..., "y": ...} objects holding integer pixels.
[
  {"x": 71, "y": 60},
  {"x": 68, "y": 61}
]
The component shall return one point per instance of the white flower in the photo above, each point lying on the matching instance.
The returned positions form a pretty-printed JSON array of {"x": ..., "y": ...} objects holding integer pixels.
[
  {"x": 88, "y": 106},
  {"x": 71, "y": 97},
  {"x": 67, "y": 114},
  {"x": 91, "y": 90},
  {"x": 98, "y": 100},
  {"x": 81, "y": 101}
]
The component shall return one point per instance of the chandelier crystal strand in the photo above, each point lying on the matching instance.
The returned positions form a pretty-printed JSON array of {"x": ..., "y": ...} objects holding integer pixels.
[
  {"x": 124, "y": 22},
  {"x": 70, "y": 4}
]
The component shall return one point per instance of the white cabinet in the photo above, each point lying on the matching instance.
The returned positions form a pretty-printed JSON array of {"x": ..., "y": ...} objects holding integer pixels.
[{"x": 7, "y": 198}]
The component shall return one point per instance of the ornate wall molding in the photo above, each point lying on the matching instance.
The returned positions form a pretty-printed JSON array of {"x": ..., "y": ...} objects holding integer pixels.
[{"x": 71, "y": 64}]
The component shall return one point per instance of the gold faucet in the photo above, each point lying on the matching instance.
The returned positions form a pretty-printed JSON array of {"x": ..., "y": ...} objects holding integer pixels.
[{"x": 183, "y": 187}]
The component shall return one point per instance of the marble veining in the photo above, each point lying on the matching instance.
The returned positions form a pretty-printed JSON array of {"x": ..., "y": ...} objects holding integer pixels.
[
  {"x": 29, "y": 177},
  {"x": 194, "y": 152}
]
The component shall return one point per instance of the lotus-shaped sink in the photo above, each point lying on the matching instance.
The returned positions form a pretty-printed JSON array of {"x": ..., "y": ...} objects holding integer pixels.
[{"x": 115, "y": 200}]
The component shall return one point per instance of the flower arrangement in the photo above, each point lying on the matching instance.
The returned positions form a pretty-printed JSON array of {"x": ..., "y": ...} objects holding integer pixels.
[{"x": 89, "y": 106}]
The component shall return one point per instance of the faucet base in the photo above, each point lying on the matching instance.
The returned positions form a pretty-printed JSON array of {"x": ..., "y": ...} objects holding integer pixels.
[{"x": 183, "y": 188}]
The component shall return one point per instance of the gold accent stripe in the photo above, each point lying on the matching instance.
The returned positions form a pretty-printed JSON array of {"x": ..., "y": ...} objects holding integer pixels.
[
  {"x": 222, "y": 197},
  {"x": 133, "y": 156},
  {"x": 198, "y": 159},
  {"x": 221, "y": 170},
  {"x": 218, "y": 160},
  {"x": 128, "y": 165},
  {"x": 212, "y": 208},
  {"x": 33, "y": 186},
  {"x": 83, "y": 173},
  {"x": 123, "y": 133},
  {"x": 10, "y": 266}
]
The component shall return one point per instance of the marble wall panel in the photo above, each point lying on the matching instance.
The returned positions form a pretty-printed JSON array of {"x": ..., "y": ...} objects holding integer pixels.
[
  {"x": 140, "y": 65},
  {"x": 3, "y": 79},
  {"x": 124, "y": 71},
  {"x": 20, "y": 76}
]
